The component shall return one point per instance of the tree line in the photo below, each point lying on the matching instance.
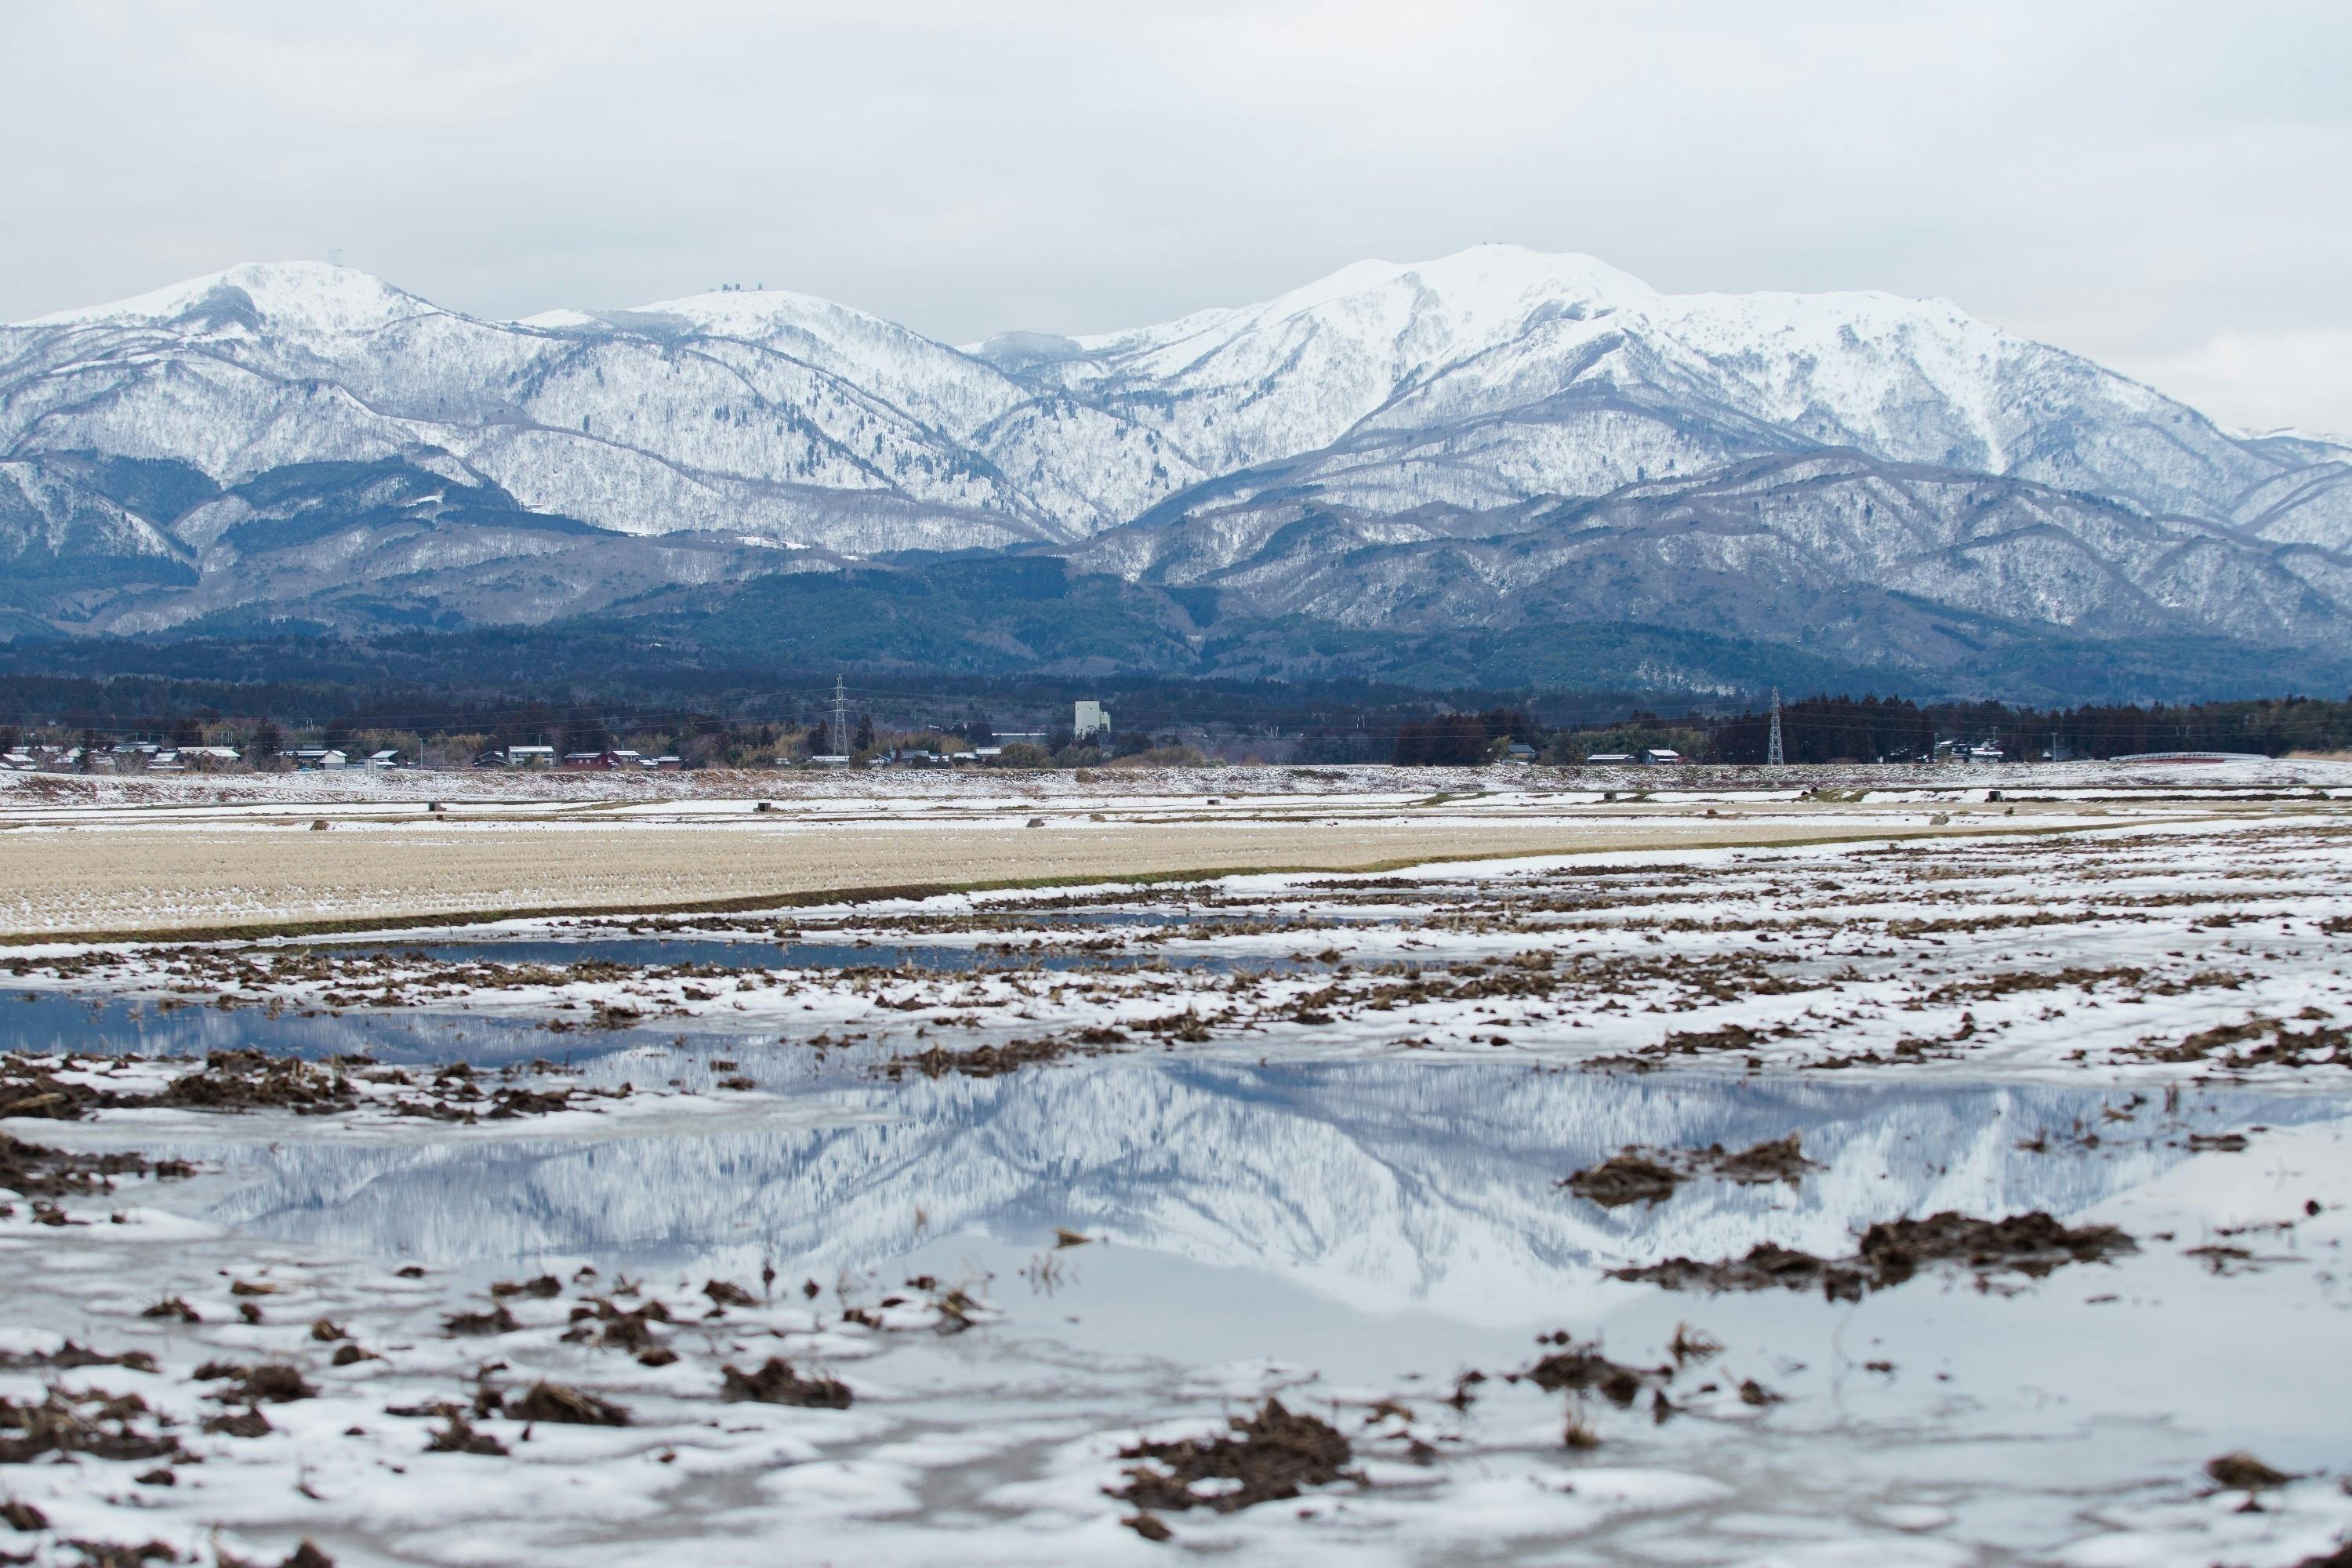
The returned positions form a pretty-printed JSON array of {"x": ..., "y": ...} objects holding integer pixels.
[{"x": 1870, "y": 729}]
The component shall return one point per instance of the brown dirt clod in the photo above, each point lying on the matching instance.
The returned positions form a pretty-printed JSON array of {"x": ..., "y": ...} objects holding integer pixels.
[
  {"x": 2240, "y": 1471},
  {"x": 1781, "y": 1160},
  {"x": 1626, "y": 1178},
  {"x": 497, "y": 1321},
  {"x": 248, "y": 1079},
  {"x": 1582, "y": 1368},
  {"x": 459, "y": 1437},
  {"x": 1893, "y": 1251},
  {"x": 247, "y": 1423},
  {"x": 1273, "y": 1454},
  {"x": 1651, "y": 1176},
  {"x": 778, "y": 1383},
  {"x": 101, "y": 1425},
  {"x": 555, "y": 1402}
]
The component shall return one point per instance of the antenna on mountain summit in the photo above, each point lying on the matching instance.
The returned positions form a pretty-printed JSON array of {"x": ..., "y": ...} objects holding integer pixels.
[
  {"x": 1773, "y": 754},
  {"x": 334, "y": 256}
]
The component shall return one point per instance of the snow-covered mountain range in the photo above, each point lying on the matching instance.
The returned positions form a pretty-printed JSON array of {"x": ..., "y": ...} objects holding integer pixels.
[{"x": 1499, "y": 438}]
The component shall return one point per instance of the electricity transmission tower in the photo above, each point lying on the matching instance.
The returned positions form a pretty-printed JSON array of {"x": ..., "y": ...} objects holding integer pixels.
[
  {"x": 840, "y": 720},
  {"x": 1773, "y": 755}
]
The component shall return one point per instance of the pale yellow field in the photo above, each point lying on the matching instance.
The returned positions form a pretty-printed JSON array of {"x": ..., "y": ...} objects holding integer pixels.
[{"x": 123, "y": 874}]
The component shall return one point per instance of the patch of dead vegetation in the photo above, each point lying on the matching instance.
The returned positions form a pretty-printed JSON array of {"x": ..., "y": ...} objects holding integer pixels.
[
  {"x": 248, "y": 1080},
  {"x": 37, "y": 1171},
  {"x": 1267, "y": 1456},
  {"x": 777, "y": 1383},
  {"x": 1896, "y": 1250},
  {"x": 1582, "y": 1369},
  {"x": 475, "y": 1324},
  {"x": 563, "y": 1403},
  {"x": 269, "y": 1383},
  {"x": 91, "y": 1423},
  {"x": 2319, "y": 1045},
  {"x": 457, "y": 1437},
  {"x": 1636, "y": 1175},
  {"x": 989, "y": 1061}
]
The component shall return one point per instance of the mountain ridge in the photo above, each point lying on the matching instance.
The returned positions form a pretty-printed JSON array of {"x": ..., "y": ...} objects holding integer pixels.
[{"x": 1415, "y": 441}]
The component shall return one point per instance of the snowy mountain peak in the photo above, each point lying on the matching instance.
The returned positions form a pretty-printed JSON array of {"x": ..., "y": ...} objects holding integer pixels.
[
  {"x": 562, "y": 320},
  {"x": 1490, "y": 285},
  {"x": 1324, "y": 452},
  {"x": 1483, "y": 293},
  {"x": 754, "y": 313},
  {"x": 293, "y": 297}
]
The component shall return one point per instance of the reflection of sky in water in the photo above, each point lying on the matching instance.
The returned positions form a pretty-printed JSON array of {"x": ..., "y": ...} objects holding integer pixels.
[
  {"x": 54, "y": 1021},
  {"x": 50, "y": 1021}
]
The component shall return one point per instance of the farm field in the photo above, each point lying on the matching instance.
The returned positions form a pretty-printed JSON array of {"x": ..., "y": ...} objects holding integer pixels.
[
  {"x": 1527, "y": 1175},
  {"x": 104, "y": 858}
]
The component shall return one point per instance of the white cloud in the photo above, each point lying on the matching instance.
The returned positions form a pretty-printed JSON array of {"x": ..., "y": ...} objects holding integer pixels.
[{"x": 2263, "y": 381}]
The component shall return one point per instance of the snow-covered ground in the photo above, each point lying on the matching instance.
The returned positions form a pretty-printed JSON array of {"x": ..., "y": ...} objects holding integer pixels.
[
  {"x": 1040, "y": 1176},
  {"x": 24, "y": 795},
  {"x": 2091, "y": 946},
  {"x": 110, "y": 859}
]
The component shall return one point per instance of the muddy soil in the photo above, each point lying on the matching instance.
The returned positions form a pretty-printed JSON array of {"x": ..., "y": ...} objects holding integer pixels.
[{"x": 1268, "y": 1456}]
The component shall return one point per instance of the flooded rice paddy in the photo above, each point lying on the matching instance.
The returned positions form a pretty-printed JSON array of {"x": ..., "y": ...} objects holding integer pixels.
[{"x": 1975, "y": 1207}]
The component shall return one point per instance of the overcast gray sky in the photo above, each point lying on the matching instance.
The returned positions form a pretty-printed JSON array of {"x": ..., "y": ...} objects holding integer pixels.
[{"x": 2162, "y": 186}]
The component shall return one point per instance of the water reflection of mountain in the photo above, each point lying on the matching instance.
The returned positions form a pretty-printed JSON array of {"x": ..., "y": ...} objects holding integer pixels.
[{"x": 1389, "y": 1182}]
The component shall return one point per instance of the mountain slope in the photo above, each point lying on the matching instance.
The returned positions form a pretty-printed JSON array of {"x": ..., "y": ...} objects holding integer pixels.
[
  {"x": 1358, "y": 381},
  {"x": 1499, "y": 445},
  {"x": 1835, "y": 537},
  {"x": 695, "y": 414}
]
